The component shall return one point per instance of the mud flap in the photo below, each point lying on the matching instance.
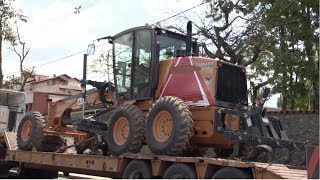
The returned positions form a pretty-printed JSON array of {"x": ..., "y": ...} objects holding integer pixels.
[{"x": 313, "y": 162}]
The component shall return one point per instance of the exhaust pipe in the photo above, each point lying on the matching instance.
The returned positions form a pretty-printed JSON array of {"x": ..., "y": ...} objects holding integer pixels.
[{"x": 189, "y": 38}]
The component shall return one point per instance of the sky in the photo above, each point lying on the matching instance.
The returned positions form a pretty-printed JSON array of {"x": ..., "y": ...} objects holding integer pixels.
[{"x": 56, "y": 30}]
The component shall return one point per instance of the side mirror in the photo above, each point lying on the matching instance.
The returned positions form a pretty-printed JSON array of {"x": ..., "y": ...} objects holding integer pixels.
[
  {"x": 91, "y": 49},
  {"x": 265, "y": 92}
]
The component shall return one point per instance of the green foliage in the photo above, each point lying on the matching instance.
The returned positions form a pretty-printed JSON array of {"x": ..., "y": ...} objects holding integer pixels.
[
  {"x": 277, "y": 40},
  {"x": 8, "y": 15},
  {"x": 18, "y": 82},
  {"x": 102, "y": 65},
  {"x": 290, "y": 61}
]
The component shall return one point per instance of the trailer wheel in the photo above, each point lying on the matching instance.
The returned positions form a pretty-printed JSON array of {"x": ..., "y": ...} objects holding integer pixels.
[
  {"x": 180, "y": 171},
  {"x": 169, "y": 126},
  {"x": 137, "y": 169},
  {"x": 30, "y": 131},
  {"x": 231, "y": 173},
  {"x": 126, "y": 130}
]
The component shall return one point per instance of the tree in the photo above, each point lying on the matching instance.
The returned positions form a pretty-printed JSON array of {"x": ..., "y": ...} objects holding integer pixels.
[
  {"x": 103, "y": 65},
  {"x": 25, "y": 73},
  {"x": 291, "y": 59},
  {"x": 277, "y": 40},
  {"x": 233, "y": 31},
  {"x": 7, "y": 15}
]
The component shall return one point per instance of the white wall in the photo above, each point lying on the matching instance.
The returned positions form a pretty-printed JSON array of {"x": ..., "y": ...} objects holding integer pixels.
[{"x": 4, "y": 116}]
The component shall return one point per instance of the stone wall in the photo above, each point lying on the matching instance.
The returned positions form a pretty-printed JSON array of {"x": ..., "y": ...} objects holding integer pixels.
[{"x": 300, "y": 126}]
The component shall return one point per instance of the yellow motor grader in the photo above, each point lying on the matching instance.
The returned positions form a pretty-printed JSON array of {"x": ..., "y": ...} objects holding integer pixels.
[{"x": 165, "y": 96}]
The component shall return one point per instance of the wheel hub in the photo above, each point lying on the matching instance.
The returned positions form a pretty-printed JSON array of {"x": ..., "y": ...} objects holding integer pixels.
[
  {"x": 121, "y": 131},
  {"x": 26, "y": 130},
  {"x": 162, "y": 126}
]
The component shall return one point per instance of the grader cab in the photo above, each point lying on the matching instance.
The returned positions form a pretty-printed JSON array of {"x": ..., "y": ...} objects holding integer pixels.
[{"x": 166, "y": 96}]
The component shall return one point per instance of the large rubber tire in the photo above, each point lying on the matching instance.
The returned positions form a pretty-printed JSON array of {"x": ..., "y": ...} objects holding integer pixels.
[
  {"x": 137, "y": 169},
  {"x": 232, "y": 173},
  {"x": 30, "y": 131},
  {"x": 126, "y": 130},
  {"x": 194, "y": 151},
  {"x": 169, "y": 126},
  {"x": 51, "y": 143},
  {"x": 223, "y": 153},
  {"x": 180, "y": 171},
  {"x": 81, "y": 148}
]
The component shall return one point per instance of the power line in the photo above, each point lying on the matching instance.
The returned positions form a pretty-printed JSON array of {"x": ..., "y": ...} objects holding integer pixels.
[
  {"x": 53, "y": 61},
  {"x": 90, "y": 5},
  {"x": 84, "y": 6},
  {"x": 177, "y": 14}
]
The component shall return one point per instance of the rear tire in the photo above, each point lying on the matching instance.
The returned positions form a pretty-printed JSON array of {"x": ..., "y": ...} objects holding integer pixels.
[
  {"x": 137, "y": 169},
  {"x": 126, "y": 130},
  {"x": 180, "y": 171},
  {"x": 169, "y": 126},
  {"x": 231, "y": 173},
  {"x": 30, "y": 131}
]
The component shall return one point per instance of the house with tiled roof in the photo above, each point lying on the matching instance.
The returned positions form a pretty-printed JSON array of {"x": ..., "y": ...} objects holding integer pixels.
[{"x": 42, "y": 89}]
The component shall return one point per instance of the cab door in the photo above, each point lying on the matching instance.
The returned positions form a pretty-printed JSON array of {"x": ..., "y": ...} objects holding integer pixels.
[
  {"x": 133, "y": 61},
  {"x": 122, "y": 65},
  {"x": 142, "y": 59}
]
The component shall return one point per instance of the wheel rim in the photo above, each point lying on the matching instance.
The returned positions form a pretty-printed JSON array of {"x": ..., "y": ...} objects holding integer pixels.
[
  {"x": 162, "y": 126},
  {"x": 121, "y": 130},
  {"x": 26, "y": 130}
]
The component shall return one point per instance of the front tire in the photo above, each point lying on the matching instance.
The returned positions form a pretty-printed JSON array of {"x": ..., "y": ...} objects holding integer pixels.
[
  {"x": 126, "y": 130},
  {"x": 169, "y": 127},
  {"x": 30, "y": 131}
]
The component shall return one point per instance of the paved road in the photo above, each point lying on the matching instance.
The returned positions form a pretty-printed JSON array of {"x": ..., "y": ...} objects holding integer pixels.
[
  {"x": 14, "y": 175},
  {"x": 79, "y": 176}
]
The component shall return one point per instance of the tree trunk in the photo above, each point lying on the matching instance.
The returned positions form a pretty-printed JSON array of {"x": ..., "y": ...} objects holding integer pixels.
[
  {"x": 283, "y": 50},
  {"x": 284, "y": 102},
  {"x": 308, "y": 44},
  {"x": 291, "y": 91}
]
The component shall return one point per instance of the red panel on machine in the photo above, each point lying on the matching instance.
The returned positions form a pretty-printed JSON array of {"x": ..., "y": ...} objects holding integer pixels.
[{"x": 185, "y": 81}]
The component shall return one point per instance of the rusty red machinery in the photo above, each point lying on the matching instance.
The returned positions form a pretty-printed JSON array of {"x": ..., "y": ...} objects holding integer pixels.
[{"x": 166, "y": 96}]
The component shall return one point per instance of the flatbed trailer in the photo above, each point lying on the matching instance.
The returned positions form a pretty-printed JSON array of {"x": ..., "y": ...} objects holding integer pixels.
[{"x": 47, "y": 164}]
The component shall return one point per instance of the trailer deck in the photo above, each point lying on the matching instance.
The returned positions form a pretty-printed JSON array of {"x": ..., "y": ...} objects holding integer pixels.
[{"x": 111, "y": 166}]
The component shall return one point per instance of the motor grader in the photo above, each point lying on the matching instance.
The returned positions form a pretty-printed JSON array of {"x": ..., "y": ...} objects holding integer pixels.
[{"x": 165, "y": 96}]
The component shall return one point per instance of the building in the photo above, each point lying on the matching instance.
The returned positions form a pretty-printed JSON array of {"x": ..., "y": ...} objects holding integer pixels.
[
  {"x": 43, "y": 89},
  {"x": 12, "y": 109}
]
